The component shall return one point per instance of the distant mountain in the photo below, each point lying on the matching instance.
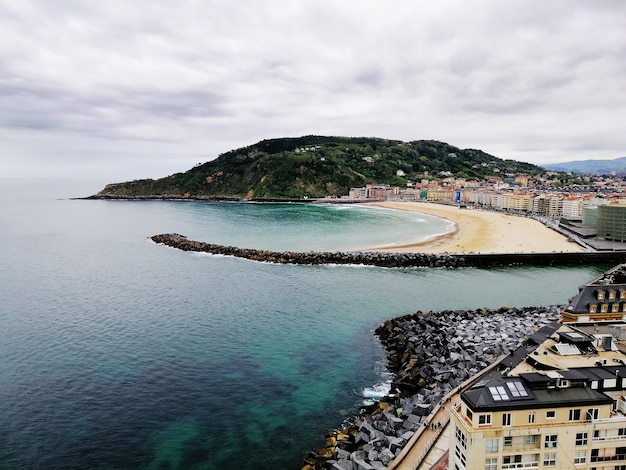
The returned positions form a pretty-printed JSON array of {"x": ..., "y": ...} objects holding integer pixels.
[
  {"x": 601, "y": 167},
  {"x": 319, "y": 166}
]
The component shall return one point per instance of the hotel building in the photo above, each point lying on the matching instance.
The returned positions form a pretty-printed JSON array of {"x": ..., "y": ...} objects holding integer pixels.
[{"x": 557, "y": 402}]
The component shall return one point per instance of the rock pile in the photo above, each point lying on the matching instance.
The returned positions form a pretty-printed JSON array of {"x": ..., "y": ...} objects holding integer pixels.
[{"x": 430, "y": 355}]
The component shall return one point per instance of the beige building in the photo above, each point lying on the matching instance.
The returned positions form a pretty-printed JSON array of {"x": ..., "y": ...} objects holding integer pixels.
[
  {"x": 440, "y": 195},
  {"x": 518, "y": 202},
  {"x": 572, "y": 207},
  {"x": 557, "y": 402}
]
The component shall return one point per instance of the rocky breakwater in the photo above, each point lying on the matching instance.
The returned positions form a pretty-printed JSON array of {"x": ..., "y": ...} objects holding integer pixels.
[
  {"x": 395, "y": 260},
  {"x": 430, "y": 355},
  {"x": 387, "y": 260}
]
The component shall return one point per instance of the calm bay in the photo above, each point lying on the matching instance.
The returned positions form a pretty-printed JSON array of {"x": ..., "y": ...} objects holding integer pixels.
[{"x": 119, "y": 353}]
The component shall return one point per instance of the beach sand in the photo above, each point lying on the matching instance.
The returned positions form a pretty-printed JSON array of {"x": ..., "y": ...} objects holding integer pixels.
[{"x": 481, "y": 231}]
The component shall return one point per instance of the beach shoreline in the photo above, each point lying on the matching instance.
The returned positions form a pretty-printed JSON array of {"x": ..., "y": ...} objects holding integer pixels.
[{"x": 480, "y": 231}]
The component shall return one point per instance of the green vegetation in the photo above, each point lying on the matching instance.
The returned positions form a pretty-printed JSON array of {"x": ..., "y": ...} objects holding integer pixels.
[{"x": 319, "y": 166}]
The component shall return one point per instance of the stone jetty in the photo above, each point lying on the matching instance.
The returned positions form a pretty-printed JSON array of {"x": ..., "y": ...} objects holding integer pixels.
[
  {"x": 388, "y": 260},
  {"x": 430, "y": 354},
  {"x": 394, "y": 260}
]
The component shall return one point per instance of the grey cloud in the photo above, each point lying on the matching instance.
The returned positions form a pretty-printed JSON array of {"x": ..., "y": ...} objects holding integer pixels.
[{"x": 201, "y": 78}]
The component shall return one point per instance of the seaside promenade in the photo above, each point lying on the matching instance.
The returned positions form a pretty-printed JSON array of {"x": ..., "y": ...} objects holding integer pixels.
[{"x": 428, "y": 448}]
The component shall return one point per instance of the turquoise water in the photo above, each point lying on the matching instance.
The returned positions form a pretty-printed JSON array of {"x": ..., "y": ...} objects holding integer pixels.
[{"x": 119, "y": 353}]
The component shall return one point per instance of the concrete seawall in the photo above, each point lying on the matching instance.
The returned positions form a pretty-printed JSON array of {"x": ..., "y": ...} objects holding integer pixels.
[{"x": 398, "y": 260}]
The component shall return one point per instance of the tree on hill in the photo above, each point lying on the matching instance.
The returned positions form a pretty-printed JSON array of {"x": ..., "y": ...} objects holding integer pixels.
[{"x": 319, "y": 166}]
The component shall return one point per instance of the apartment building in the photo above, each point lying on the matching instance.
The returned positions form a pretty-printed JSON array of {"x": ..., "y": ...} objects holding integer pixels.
[
  {"x": 517, "y": 202},
  {"x": 572, "y": 207},
  {"x": 373, "y": 191},
  {"x": 440, "y": 195},
  {"x": 557, "y": 402}
]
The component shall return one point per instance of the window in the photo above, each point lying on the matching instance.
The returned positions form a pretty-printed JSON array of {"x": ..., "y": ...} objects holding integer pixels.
[
  {"x": 612, "y": 294},
  {"x": 517, "y": 389},
  {"x": 470, "y": 415},
  {"x": 581, "y": 438},
  {"x": 460, "y": 456},
  {"x": 604, "y": 308},
  {"x": 491, "y": 464},
  {"x": 508, "y": 441},
  {"x": 550, "y": 414},
  {"x": 549, "y": 460},
  {"x": 512, "y": 459},
  {"x": 549, "y": 442},
  {"x": 498, "y": 393},
  {"x": 531, "y": 417},
  {"x": 592, "y": 308},
  {"x": 592, "y": 413},
  {"x": 461, "y": 437},
  {"x": 491, "y": 445},
  {"x": 506, "y": 419},
  {"x": 530, "y": 441},
  {"x": 574, "y": 415},
  {"x": 580, "y": 457},
  {"x": 484, "y": 420},
  {"x": 600, "y": 295},
  {"x": 621, "y": 432}
]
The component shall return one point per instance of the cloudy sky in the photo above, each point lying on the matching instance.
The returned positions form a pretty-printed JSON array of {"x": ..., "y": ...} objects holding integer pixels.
[{"x": 146, "y": 88}]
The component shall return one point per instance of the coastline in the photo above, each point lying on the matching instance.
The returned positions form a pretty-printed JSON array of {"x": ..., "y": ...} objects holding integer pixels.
[
  {"x": 480, "y": 231},
  {"x": 468, "y": 340}
]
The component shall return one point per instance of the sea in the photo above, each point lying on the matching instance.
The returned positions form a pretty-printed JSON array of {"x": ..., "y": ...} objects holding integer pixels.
[{"x": 118, "y": 353}]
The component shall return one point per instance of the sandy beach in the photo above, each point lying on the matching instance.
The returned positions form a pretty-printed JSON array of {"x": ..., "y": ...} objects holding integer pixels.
[{"x": 481, "y": 231}]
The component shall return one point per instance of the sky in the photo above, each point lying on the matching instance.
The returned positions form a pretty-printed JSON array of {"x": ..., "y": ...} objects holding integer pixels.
[{"x": 147, "y": 88}]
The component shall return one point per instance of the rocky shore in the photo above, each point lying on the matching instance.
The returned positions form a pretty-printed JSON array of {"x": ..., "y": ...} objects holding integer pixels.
[{"x": 430, "y": 355}]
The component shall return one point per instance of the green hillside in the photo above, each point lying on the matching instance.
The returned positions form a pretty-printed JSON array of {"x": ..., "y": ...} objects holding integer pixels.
[{"x": 318, "y": 166}]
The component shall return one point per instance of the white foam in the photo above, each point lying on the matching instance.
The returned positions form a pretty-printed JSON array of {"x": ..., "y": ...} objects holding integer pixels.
[{"x": 377, "y": 391}]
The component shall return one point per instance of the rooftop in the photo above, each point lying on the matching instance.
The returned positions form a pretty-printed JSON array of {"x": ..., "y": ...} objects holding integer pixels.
[
  {"x": 604, "y": 298},
  {"x": 561, "y": 364}
]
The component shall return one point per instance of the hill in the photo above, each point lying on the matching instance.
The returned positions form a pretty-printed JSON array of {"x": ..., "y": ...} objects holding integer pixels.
[
  {"x": 319, "y": 166},
  {"x": 601, "y": 167}
]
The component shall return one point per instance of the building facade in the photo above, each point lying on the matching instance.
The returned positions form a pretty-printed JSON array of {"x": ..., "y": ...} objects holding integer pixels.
[
  {"x": 612, "y": 222},
  {"x": 556, "y": 403},
  {"x": 601, "y": 300}
]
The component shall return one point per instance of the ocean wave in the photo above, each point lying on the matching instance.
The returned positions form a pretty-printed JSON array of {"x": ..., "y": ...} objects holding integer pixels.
[{"x": 377, "y": 391}]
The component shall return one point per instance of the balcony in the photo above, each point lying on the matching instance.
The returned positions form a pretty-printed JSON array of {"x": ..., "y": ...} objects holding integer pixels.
[
  {"x": 609, "y": 438},
  {"x": 507, "y": 466},
  {"x": 612, "y": 458},
  {"x": 521, "y": 446}
]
